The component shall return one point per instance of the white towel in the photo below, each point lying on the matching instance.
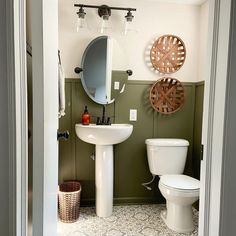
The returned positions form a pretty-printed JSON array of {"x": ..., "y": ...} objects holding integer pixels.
[{"x": 61, "y": 90}]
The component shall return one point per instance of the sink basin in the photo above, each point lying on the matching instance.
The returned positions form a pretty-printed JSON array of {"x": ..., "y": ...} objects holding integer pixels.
[{"x": 103, "y": 134}]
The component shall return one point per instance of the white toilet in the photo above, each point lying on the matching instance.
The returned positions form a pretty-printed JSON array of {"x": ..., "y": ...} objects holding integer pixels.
[{"x": 166, "y": 158}]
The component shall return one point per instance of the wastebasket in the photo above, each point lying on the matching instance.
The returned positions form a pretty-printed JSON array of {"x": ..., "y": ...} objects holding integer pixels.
[{"x": 69, "y": 201}]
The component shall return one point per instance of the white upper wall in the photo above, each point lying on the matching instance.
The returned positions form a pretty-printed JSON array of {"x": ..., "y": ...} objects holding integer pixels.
[
  {"x": 194, "y": 2},
  {"x": 152, "y": 20},
  {"x": 203, "y": 32}
]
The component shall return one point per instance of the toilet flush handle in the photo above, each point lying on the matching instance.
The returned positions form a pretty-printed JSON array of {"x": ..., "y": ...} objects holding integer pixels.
[{"x": 64, "y": 135}]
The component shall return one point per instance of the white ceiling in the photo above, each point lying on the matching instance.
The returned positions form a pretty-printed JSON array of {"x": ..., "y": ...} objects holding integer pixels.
[{"x": 191, "y": 2}]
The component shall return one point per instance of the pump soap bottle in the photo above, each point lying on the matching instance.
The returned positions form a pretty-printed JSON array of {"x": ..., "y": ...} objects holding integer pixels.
[{"x": 86, "y": 116}]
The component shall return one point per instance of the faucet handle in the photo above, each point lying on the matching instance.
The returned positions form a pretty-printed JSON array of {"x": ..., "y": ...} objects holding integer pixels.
[
  {"x": 98, "y": 122},
  {"x": 108, "y": 121}
]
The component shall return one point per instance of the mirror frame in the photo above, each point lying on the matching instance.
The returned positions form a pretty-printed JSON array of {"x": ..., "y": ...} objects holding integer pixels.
[
  {"x": 79, "y": 70},
  {"x": 82, "y": 74}
]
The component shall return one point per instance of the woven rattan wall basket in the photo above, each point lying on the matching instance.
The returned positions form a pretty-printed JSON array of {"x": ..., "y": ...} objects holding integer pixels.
[
  {"x": 168, "y": 54},
  {"x": 167, "y": 95}
]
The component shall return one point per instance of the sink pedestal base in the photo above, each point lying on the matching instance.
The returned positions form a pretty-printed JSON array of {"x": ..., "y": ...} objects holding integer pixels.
[
  {"x": 104, "y": 180},
  {"x": 104, "y": 137}
]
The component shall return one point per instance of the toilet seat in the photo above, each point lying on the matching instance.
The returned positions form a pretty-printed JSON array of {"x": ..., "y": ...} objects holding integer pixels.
[{"x": 181, "y": 183}]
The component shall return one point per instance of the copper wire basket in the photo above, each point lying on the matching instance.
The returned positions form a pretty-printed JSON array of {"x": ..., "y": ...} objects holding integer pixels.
[{"x": 69, "y": 201}]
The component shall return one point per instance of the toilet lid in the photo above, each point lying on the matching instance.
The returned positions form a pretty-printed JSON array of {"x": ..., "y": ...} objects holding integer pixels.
[
  {"x": 180, "y": 182},
  {"x": 167, "y": 142}
]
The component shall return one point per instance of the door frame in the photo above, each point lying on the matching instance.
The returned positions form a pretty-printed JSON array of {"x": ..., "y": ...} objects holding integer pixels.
[
  {"x": 17, "y": 117},
  {"x": 44, "y": 19},
  {"x": 45, "y": 132},
  {"x": 213, "y": 119}
]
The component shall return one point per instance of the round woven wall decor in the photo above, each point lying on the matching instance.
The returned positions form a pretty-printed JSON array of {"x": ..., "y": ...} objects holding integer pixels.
[
  {"x": 167, "y": 95},
  {"x": 168, "y": 54}
]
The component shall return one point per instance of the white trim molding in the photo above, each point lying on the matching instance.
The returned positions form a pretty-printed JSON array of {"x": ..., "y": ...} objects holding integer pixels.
[
  {"x": 213, "y": 121},
  {"x": 228, "y": 190},
  {"x": 45, "y": 116},
  {"x": 18, "y": 124}
]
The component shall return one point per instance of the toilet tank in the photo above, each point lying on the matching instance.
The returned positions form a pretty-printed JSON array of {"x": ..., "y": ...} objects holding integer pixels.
[{"x": 166, "y": 156}]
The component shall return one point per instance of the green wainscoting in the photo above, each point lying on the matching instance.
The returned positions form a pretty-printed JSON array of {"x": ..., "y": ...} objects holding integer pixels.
[
  {"x": 199, "y": 95},
  {"x": 130, "y": 163}
]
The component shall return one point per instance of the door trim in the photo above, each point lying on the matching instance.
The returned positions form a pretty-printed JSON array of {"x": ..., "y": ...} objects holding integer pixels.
[
  {"x": 17, "y": 112},
  {"x": 213, "y": 118},
  {"x": 211, "y": 167},
  {"x": 45, "y": 116}
]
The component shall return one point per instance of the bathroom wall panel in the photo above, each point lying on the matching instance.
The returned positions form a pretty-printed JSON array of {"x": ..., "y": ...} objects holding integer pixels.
[
  {"x": 85, "y": 171},
  {"x": 130, "y": 161},
  {"x": 197, "y": 134},
  {"x": 179, "y": 124},
  {"x": 85, "y": 166},
  {"x": 131, "y": 167},
  {"x": 66, "y": 151}
]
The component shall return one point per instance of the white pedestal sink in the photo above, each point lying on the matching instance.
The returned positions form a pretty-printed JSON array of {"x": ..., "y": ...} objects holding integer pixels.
[{"x": 104, "y": 136}]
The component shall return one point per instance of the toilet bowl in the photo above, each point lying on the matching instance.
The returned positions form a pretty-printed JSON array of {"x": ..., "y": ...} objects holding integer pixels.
[
  {"x": 180, "y": 192},
  {"x": 166, "y": 158}
]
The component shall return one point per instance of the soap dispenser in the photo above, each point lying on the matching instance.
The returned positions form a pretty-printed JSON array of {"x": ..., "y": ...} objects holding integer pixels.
[{"x": 86, "y": 116}]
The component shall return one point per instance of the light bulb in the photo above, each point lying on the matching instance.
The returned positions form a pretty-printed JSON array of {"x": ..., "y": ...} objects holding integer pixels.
[
  {"x": 81, "y": 24},
  {"x": 81, "y": 21},
  {"x": 104, "y": 24},
  {"x": 127, "y": 27},
  {"x": 128, "y": 23}
]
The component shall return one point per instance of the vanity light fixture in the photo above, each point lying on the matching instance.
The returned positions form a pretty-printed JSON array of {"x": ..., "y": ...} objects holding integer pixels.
[
  {"x": 81, "y": 21},
  {"x": 128, "y": 20},
  {"x": 104, "y": 12}
]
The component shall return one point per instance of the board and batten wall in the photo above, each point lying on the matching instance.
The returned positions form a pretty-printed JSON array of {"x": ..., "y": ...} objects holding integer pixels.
[
  {"x": 152, "y": 19},
  {"x": 130, "y": 160}
]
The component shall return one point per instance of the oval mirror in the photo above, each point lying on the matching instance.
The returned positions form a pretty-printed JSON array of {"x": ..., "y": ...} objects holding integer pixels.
[{"x": 103, "y": 70}]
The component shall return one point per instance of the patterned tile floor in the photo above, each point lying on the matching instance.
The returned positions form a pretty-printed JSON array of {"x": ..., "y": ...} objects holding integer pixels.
[{"x": 132, "y": 220}]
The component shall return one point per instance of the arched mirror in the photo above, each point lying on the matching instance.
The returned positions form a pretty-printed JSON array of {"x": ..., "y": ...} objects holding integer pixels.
[{"x": 104, "y": 71}]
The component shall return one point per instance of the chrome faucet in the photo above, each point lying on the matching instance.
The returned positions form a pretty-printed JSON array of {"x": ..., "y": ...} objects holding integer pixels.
[{"x": 104, "y": 120}]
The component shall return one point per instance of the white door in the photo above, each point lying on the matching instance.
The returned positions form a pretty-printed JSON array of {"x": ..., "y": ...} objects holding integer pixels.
[{"x": 45, "y": 116}]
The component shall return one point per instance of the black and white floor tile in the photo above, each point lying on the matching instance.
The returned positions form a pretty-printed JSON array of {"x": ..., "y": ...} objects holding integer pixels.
[{"x": 131, "y": 220}]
